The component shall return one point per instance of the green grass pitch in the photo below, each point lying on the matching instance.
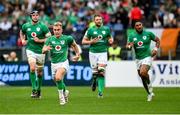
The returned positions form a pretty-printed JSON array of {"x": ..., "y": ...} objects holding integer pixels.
[{"x": 83, "y": 101}]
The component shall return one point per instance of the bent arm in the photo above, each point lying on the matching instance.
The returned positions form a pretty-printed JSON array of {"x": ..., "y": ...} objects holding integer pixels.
[
  {"x": 157, "y": 40},
  {"x": 21, "y": 35},
  {"x": 75, "y": 48},
  {"x": 46, "y": 49},
  {"x": 36, "y": 39},
  {"x": 86, "y": 41}
]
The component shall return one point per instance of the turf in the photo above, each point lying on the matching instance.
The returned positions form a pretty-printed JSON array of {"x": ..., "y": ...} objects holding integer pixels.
[{"x": 83, "y": 101}]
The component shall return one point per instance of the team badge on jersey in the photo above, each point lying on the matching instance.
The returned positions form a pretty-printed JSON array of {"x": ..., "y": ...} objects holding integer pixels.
[
  {"x": 33, "y": 34},
  {"x": 103, "y": 32},
  {"x": 144, "y": 37},
  {"x": 38, "y": 29},
  {"x": 140, "y": 43},
  {"x": 58, "y": 47},
  {"x": 95, "y": 32},
  {"x": 29, "y": 29},
  {"x": 62, "y": 42},
  {"x": 100, "y": 37},
  {"x": 134, "y": 39}
]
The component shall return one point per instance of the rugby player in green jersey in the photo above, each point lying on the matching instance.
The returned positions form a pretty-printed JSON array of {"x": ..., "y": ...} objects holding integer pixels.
[
  {"x": 98, "y": 37},
  {"x": 58, "y": 45},
  {"x": 140, "y": 40},
  {"x": 33, "y": 35}
]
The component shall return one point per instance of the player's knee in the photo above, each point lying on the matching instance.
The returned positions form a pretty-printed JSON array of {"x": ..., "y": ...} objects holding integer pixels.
[
  {"x": 40, "y": 73},
  {"x": 94, "y": 71},
  {"x": 58, "y": 78},
  {"x": 143, "y": 73},
  {"x": 101, "y": 69},
  {"x": 32, "y": 69}
]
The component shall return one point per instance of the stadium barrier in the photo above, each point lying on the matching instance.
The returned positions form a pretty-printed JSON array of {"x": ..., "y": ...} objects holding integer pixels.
[
  {"x": 124, "y": 74},
  {"x": 17, "y": 74},
  {"x": 119, "y": 74}
]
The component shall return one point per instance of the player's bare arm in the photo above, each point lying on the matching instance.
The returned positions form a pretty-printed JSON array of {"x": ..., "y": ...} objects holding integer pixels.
[
  {"x": 154, "y": 51},
  {"x": 76, "y": 49},
  {"x": 46, "y": 49},
  {"x": 89, "y": 42},
  {"x": 22, "y": 37}
]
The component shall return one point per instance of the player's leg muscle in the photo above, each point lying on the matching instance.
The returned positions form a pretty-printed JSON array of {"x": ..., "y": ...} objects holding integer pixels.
[
  {"x": 32, "y": 66},
  {"x": 144, "y": 70},
  {"x": 101, "y": 69},
  {"x": 60, "y": 74}
]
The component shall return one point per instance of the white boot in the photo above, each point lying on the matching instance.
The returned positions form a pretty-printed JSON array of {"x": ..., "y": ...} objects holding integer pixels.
[
  {"x": 61, "y": 97},
  {"x": 66, "y": 95},
  {"x": 150, "y": 96},
  {"x": 150, "y": 88}
]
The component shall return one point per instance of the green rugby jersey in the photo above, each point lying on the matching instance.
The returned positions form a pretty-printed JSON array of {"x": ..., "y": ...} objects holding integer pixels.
[
  {"x": 59, "y": 51},
  {"x": 34, "y": 30},
  {"x": 141, "y": 43},
  {"x": 102, "y": 44}
]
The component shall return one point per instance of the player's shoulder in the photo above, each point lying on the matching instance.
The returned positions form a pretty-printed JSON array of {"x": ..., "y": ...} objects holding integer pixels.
[
  {"x": 147, "y": 32},
  {"x": 91, "y": 28},
  {"x": 51, "y": 37},
  {"x": 67, "y": 36},
  {"x": 41, "y": 23},
  {"x": 105, "y": 27},
  {"x": 133, "y": 33},
  {"x": 27, "y": 24}
]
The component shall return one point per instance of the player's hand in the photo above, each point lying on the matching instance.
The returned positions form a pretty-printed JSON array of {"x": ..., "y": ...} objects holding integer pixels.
[
  {"x": 45, "y": 49},
  {"x": 24, "y": 42},
  {"x": 129, "y": 45},
  {"x": 36, "y": 39},
  {"x": 76, "y": 58},
  {"x": 153, "y": 53},
  {"x": 48, "y": 48},
  {"x": 110, "y": 41},
  {"x": 95, "y": 40}
]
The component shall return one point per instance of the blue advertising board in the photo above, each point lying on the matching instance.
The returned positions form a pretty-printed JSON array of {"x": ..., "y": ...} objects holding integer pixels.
[{"x": 17, "y": 74}]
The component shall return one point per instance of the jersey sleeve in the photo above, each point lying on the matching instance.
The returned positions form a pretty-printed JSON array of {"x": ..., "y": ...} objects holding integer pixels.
[
  {"x": 70, "y": 40},
  {"x": 152, "y": 36},
  {"x": 45, "y": 29},
  {"x": 129, "y": 40}
]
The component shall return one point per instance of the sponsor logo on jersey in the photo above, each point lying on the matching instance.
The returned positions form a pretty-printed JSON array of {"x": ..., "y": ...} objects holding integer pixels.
[
  {"x": 140, "y": 43},
  {"x": 38, "y": 29},
  {"x": 95, "y": 32},
  {"x": 62, "y": 42},
  {"x": 29, "y": 29},
  {"x": 134, "y": 39},
  {"x": 103, "y": 32},
  {"x": 53, "y": 42},
  {"x": 33, "y": 34},
  {"x": 144, "y": 37},
  {"x": 58, "y": 48}
]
